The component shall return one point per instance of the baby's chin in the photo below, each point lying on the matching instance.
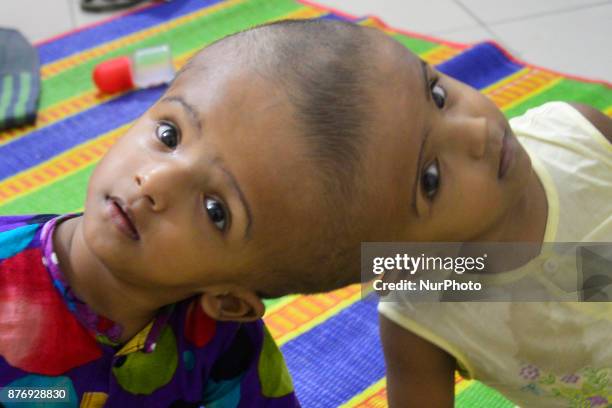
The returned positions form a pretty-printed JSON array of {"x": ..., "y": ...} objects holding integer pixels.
[{"x": 99, "y": 241}]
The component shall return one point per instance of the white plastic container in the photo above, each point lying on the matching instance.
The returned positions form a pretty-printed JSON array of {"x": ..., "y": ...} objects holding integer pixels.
[{"x": 145, "y": 68}]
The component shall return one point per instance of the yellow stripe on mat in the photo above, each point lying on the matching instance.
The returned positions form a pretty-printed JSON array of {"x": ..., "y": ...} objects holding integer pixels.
[
  {"x": 280, "y": 303},
  {"x": 303, "y": 13},
  {"x": 439, "y": 54},
  {"x": 376, "y": 23},
  {"x": 461, "y": 384},
  {"x": 302, "y": 313},
  {"x": 58, "y": 112},
  {"x": 375, "y": 396},
  {"x": 520, "y": 86},
  {"x": 58, "y": 167}
]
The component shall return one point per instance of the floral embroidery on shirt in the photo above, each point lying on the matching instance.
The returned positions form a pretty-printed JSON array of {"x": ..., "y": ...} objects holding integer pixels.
[{"x": 588, "y": 388}]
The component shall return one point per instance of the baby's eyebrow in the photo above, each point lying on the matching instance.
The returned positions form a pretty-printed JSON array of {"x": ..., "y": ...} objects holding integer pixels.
[
  {"x": 190, "y": 109},
  {"x": 425, "y": 79},
  {"x": 218, "y": 161}
]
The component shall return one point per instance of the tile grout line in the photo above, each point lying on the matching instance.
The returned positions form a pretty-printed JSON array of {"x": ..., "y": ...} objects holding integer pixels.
[
  {"x": 470, "y": 12},
  {"x": 72, "y": 16},
  {"x": 481, "y": 23},
  {"x": 550, "y": 13}
]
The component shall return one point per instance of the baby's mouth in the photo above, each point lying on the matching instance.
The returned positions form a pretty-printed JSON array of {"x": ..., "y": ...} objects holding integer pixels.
[{"x": 120, "y": 215}]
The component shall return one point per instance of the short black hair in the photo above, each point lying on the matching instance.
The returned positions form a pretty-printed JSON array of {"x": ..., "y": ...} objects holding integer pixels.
[
  {"x": 322, "y": 64},
  {"x": 322, "y": 67}
]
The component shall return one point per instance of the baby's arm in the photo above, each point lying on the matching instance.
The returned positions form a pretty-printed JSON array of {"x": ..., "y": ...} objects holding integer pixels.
[
  {"x": 602, "y": 122},
  {"x": 419, "y": 374}
]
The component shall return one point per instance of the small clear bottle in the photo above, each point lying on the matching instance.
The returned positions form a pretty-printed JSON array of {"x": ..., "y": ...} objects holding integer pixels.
[{"x": 145, "y": 68}]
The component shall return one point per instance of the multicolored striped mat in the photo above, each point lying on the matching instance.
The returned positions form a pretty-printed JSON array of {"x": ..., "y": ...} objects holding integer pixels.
[{"x": 330, "y": 341}]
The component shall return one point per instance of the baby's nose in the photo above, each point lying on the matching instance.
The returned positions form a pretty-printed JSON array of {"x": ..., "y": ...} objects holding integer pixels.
[
  {"x": 158, "y": 185},
  {"x": 475, "y": 134}
]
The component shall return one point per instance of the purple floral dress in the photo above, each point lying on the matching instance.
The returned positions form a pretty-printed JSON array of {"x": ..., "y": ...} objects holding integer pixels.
[{"x": 50, "y": 340}]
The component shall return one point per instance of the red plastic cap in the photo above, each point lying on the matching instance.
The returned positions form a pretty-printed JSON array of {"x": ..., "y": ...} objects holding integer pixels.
[{"x": 114, "y": 75}]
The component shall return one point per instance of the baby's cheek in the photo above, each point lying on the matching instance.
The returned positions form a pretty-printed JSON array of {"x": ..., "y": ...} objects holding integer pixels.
[
  {"x": 479, "y": 206},
  {"x": 486, "y": 198}
]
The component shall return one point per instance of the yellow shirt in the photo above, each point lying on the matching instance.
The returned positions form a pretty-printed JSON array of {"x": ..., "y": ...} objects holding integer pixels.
[{"x": 539, "y": 354}]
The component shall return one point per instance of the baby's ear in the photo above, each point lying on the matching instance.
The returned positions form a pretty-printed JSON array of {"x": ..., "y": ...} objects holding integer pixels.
[{"x": 232, "y": 304}]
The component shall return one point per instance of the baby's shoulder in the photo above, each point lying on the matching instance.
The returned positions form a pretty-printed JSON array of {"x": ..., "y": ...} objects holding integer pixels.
[
  {"x": 566, "y": 126},
  {"x": 601, "y": 122}
]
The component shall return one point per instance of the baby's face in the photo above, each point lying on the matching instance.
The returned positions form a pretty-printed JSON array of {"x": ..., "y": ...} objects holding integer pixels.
[
  {"x": 214, "y": 179},
  {"x": 436, "y": 160},
  {"x": 204, "y": 185}
]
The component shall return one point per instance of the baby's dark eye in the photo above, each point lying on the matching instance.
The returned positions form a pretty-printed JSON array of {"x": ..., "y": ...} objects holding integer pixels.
[
  {"x": 216, "y": 213},
  {"x": 438, "y": 94},
  {"x": 430, "y": 180},
  {"x": 168, "y": 134}
]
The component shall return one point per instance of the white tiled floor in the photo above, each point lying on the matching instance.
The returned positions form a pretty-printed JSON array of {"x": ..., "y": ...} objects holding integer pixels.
[{"x": 570, "y": 36}]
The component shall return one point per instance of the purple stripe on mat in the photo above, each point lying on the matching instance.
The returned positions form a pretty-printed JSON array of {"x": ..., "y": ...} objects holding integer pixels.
[
  {"x": 335, "y": 17},
  {"x": 94, "y": 36},
  {"x": 338, "y": 359},
  {"x": 480, "y": 66}
]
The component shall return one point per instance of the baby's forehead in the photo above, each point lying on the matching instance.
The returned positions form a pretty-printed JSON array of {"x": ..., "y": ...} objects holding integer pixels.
[
  {"x": 393, "y": 57},
  {"x": 212, "y": 83}
]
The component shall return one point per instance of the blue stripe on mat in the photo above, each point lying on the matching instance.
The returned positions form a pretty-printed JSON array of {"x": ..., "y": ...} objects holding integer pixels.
[
  {"x": 47, "y": 142},
  {"x": 120, "y": 27},
  {"x": 338, "y": 359},
  {"x": 480, "y": 66},
  {"x": 335, "y": 17}
]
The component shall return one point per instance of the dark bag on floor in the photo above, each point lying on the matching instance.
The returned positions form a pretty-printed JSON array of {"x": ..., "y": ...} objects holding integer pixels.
[{"x": 19, "y": 80}]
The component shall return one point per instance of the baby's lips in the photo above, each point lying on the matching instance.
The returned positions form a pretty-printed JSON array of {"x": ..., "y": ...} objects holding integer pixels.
[{"x": 126, "y": 212}]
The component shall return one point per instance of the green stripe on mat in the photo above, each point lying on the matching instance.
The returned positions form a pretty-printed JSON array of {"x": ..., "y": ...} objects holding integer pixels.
[
  {"x": 478, "y": 395},
  {"x": 416, "y": 45},
  {"x": 271, "y": 302},
  {"x": 61, "y": 196},
  {"x": 596, "y": 95},
  {"x": 183, "y": 38}
]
